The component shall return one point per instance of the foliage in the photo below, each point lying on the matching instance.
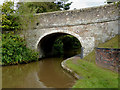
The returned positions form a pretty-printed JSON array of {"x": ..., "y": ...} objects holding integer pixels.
[
  {"x": 26, "y": 16},
  {"x": 66, "y": 43},
  {"x": 71, "y": 42},
  {"x": 58, "y": 47},
  {"x": 27, "y": 10},
  {"x": 61, "y": 4},
  {"x": 118, "y": 4},
  {"x": 23, "y": 17},
  {"x": 40, "y": 7},
  {"x": 14, "y": 50},
  {"x": 9, "y": 18},
  {"x": 94, "y": 76}
]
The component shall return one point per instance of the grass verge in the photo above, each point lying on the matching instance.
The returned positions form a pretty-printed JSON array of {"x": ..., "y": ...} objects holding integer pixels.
[{"x": 94, "y": 76}]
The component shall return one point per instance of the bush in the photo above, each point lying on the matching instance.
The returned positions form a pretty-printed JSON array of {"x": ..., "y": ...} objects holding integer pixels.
[
  {"x": 9, "y": 17},
  {"x": 14, "y": 50},
  {"x": 66, "y": 43}
]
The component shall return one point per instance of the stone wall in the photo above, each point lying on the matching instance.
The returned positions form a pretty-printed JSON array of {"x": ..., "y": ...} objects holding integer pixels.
[
  {"x": 84, "y": 16},
  {"x": 90, "y": 26},
  {"x": 108, "y": 58}
]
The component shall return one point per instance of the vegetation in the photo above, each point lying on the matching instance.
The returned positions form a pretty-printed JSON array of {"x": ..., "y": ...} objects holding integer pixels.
[
  {"x": 26, "y": 18},
  {"x": 94, "y": 76},
  {"x": 41, "y": 7},
  {"x": 14, "y": 50},
  {"x": 66, "y": 43},
  {"x": 62, "y": 5},
  {"x": 8, "y": 17},
  {"x": 23, "y": 17},
  {"x": 28, "y": 9},
  {"x": 112, "y": 43}
]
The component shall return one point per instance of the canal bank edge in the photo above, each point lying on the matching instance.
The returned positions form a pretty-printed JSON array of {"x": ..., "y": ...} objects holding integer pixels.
[
  {"x": 112, "y": 43},
  {"x": 63, "y": 65}
]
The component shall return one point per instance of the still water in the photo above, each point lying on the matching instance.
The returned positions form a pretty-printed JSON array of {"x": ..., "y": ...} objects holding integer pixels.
[{"x": 46, "y": 73}]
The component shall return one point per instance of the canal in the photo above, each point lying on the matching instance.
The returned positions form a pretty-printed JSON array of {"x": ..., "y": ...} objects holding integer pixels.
[{"x": 46, "y": 73}]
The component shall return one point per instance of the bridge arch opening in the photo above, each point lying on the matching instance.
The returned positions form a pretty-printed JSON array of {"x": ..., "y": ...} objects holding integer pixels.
[{"x": 59, "y": 44}]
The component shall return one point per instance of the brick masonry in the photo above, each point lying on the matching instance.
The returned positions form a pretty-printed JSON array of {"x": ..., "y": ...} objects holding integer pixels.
[{"x": 108, "y": 58}]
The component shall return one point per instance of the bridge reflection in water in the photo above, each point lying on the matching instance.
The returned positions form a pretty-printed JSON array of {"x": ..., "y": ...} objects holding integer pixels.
[{"x": 43, "y": 74}]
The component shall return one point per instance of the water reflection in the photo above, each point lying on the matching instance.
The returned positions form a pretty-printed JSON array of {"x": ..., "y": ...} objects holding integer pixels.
[
  {"x": 53, "y": 75},
  {"x": 45, "y": 73}
]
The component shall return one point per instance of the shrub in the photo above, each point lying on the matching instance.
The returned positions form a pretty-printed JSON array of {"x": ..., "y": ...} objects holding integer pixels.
[
  {"x": 14, "y": 50},
  {"x": 9, "y": 17},
  {"x": 66, "y": 43}
]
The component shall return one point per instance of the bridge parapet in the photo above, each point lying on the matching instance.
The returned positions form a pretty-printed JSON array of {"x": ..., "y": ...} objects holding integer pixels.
[
  {"x": 90, "y": 26},
  {"x": 78, "y": 17}
]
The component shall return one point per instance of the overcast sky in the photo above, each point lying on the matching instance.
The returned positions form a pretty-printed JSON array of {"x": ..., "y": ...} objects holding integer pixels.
[
  {"x": 86, "y": 3},
  {"x": 81, "y": 3}
]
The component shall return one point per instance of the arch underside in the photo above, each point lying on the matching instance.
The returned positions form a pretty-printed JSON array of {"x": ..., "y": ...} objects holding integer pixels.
[{"x": 45, "y": 43}]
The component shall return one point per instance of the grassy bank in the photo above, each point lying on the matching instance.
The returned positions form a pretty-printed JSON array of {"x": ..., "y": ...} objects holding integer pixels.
[
  {"x": 94, "y": 76},
  {"x": 112, "y": 43},
  {"x": 14, "y": 50}
]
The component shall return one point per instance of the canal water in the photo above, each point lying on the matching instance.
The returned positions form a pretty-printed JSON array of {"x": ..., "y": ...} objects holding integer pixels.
[{"x": 46, "y": 73}]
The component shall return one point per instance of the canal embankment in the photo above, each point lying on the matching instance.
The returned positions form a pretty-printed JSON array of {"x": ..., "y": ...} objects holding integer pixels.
[{"x": 89, "y": 74}]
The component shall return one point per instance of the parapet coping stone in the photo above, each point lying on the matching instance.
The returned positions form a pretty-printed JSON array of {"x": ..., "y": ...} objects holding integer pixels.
[{"x": 78, "y": 10}]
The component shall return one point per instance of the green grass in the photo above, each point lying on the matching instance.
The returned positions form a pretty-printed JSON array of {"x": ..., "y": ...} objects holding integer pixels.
[
  {"x": 94, "y": 76},
  {"x": 112, "y": 43}
]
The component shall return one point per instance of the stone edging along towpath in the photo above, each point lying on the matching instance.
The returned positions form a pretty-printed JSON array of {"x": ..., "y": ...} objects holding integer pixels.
[{"x": 63, "y": 64}]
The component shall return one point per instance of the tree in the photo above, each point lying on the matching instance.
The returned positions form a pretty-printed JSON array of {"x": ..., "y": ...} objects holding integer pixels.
[
  {"x": 112, "y": 1},
  {"x": 27, "y": 10},
  {"x": 23, "y": 16},
  {"x": 63, "y": 5},
  {"x": 41, "y": 7},
  {"x": 26, "y": 15},
  {"x": 9, "y": 17}
]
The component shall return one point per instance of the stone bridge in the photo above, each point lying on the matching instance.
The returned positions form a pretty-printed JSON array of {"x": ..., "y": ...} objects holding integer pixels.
[{"x": 90, "y": 26}]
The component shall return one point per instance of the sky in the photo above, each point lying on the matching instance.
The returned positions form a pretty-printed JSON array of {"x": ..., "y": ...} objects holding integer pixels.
[{"x": 77, "y": 4}]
